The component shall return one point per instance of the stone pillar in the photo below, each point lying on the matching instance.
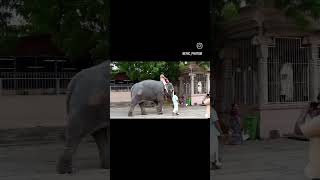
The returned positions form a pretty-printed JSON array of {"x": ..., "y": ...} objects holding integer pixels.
[
  {"x": 314, "y": 70},
  {"x": 228, "y": 55},
  {"x": 57, "y": 86},
  {"x": 263, "y": 75},
  {"x": 181, "y": 86},
  {"x": 208, "y": 82},
  {"x": 192, "y": 83},
  {"x": 314, "y": 73},
  {"x": 262, "y": 51}
]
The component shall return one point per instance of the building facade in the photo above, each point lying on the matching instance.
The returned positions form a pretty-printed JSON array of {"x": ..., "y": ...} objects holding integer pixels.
[
  {"x": 270, "y": 67},
  {"x": 194, "y": 83}
]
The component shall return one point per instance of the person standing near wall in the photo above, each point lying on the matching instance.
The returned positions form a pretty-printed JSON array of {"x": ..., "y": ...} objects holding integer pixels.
[
  {"x": 206, "y": 102},
  {"x": 215, "y": 131},
  {"x": 310, "y": 127},
  {"x": 235, "y": 126},
  {"x": 175, "y": 101}
]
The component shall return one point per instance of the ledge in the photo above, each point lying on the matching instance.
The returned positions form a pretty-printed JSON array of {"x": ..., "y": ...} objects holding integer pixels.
[{"x": 283, "y": 106}]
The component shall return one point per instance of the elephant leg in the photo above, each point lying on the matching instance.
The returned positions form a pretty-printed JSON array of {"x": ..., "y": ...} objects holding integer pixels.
[
  {"x": 65, "y": 161},
  {"x": 134, "y": 102},
  {"x": 160, "y": 107},
  {"x": 143, "y": 110},
  {"x": 74, "y": 135},
  {"x": 102, "y": 139}
]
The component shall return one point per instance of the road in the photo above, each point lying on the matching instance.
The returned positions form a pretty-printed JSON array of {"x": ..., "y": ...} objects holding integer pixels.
[
  {"x": 281, "y": 159},
  {"x": 190, "y": 112},
  {"x": 38, "y": 161}
]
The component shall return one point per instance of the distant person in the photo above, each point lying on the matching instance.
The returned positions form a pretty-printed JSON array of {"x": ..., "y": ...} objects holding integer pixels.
[
  {"x": 175, "y": 101},
  {"x": 206, "y": 102},
  {"x": 310, "y": 127},
  {"x": 235, "y": 126},
  {"x": 215, "y": 131},
  {"x": 183, "y": 101}
]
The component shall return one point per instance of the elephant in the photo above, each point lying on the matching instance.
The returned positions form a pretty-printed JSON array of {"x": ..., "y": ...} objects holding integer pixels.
[
  {"x": 87, "y": 113},
  {"x": 149, "y": 90}
]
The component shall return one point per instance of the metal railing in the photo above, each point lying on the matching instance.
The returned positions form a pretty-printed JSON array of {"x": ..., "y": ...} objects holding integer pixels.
[
  {"x": 288, "y": 71},
  {"x": 34, "y": 83},
  {"x": 120, "y": 87}
]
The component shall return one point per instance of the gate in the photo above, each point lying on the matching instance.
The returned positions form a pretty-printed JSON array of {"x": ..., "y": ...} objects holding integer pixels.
[
  {"x": 244, "y": 73},
  {"x": 288, "y": 71}
]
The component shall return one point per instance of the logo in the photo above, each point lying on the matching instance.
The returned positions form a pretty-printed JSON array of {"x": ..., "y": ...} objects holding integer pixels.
[{"x": 199, "y": 45}]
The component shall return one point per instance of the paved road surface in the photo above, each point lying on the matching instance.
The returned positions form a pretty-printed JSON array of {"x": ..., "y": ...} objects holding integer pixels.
[
  {"x": 256, "y": 160},
  {"x": 38, "y": 161},
  {"x": 190, "y": 112},
  {"x": 281, "y": 159}
]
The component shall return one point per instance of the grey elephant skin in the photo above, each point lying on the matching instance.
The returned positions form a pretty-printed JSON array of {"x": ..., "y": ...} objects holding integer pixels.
[
  {"x": 87, "y": 114},
  {"x": 148, "y": 90}
]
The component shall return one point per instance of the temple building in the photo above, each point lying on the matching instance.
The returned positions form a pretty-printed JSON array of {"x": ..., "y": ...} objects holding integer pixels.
[
  {"x": 194, "y": 83},
  {"x": 269, "y": 66}
]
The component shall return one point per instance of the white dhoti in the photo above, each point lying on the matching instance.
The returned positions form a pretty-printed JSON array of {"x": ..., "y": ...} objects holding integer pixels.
[
  {"x": 175, "y": 107},
  {"x": 214, "y": 142},
  {"x": 214, "y": 147},
  {"x": 311, "y": 129}
]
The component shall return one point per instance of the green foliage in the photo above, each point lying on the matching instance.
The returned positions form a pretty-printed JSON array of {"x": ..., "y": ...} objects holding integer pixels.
[
  {"x": 230, "y": 11},
  {"x": 302, "y": 11},
  {"x": 80, "y": 28},
  {"x": 142, "y": 70}
]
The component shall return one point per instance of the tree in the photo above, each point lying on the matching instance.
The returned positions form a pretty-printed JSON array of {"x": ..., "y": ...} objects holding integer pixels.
[
  {"x": 142, "y": 70},
  {"x": 9, "y": 32},
  {"x": 79, "y": 28}
]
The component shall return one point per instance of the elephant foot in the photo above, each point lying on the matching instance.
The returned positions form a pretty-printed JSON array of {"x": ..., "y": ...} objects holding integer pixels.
[
  {"x": 143, "y": 113},
  {"x": 65, "y": 167},
  {"x": 130, "y": 114}
]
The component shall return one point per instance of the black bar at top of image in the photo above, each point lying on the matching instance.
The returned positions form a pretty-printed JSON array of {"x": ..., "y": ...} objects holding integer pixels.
[{"x": 159, "y": 30}]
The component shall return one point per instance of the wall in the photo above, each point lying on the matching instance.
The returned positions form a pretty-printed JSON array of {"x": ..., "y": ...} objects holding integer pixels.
[
  {"x": 197, "y": 98},
  {"x": 31, "y": 111},
  {"x": 39, "y": 110},
  {"x": 280, "y": 117},
  {"x": 120, "y": 97},
  {"x": 245, "y": 110}
]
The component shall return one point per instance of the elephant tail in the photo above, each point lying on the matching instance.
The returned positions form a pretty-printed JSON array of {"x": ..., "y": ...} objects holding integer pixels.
[
  {"x": 131, "y": 90},
  {"x": 70, "y": 89}
]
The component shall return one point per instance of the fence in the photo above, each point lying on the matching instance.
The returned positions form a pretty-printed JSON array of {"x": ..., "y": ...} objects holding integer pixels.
[
  {"x": 34, "y": 83},
  {"x": 120, "y": 87},
  {"x": 288, "y": 71}
]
